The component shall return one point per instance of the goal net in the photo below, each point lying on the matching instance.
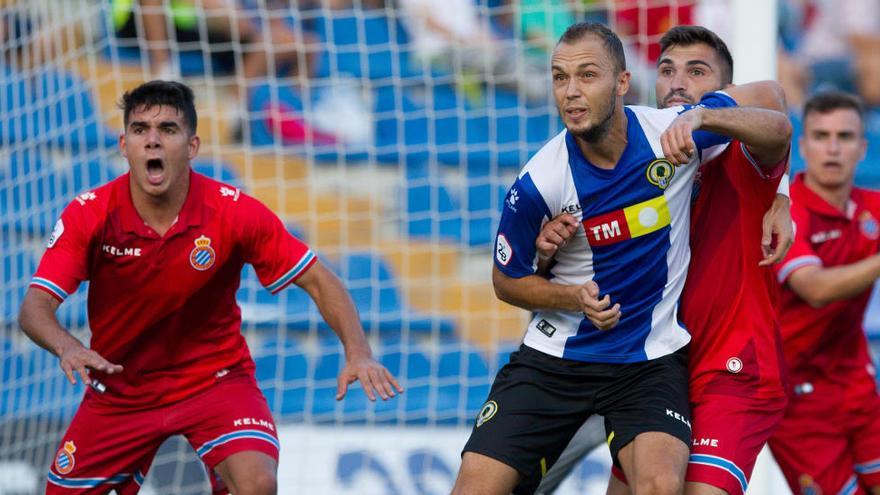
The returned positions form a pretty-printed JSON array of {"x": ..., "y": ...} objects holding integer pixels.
[{"x": 385, "y": 146}]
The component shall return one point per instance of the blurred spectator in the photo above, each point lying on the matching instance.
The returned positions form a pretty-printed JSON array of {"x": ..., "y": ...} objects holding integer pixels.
[
  {"x": 451, "y": 35},
  {"x": 542, "y": 23},
  {"x": 830, "y": 44},
  {"x": 228, "y": 24}
]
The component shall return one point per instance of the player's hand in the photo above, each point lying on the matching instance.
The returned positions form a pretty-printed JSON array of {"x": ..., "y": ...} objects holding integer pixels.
[
  {"x": 597, "y": 310},
  {"x": 777, "y": 231},
  {"x": 554, "y": 234},
  {"x": 677, "y": 141},
  {"x": 374, "y": 377},
  {"x": 77, "y": 360}
]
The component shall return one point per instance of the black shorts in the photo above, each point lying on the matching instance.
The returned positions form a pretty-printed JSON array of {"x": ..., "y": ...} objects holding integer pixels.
[{"x": 538, "y": 402}]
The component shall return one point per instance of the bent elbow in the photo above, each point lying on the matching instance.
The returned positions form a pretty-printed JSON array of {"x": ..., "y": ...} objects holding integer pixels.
[
  {"x": 817, "y": 299},
  {"x": 785, "y": 131},
  {"x": 501, "y": 292}
]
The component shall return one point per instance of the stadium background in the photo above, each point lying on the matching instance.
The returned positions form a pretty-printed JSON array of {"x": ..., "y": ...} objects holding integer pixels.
[{"x": 393, "y": 167}]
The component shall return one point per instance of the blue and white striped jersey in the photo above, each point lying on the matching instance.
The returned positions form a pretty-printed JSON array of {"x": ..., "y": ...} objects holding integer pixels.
[{"x": 633, "y": 240}]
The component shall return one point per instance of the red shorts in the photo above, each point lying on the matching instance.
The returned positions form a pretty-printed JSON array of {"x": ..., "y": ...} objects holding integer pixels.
[
  {"x": 830, "y": 438},
  {"x": 728, "y": 433},
  {"x": 106, "y": 447}
]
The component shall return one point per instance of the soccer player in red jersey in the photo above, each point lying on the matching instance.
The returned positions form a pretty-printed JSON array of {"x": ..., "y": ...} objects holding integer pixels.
[
  {"x": 162, "y": 248},
  {"x": 736, "y": 392},
  {"x": 829, "y": 441}
]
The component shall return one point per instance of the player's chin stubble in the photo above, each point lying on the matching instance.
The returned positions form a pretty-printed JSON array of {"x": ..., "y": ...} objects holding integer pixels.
[{"x": 597, "y": 132}]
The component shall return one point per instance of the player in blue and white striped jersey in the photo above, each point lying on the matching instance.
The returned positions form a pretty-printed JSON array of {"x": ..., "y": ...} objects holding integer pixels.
[{"x": 629, "y": 184}]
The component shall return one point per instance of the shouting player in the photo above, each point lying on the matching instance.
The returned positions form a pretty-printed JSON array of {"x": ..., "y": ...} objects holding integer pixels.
[
  {"x": 829, "y": 441},
  {"x": 608, "y": 169},
  {"x": 162, "y": 248},
  {"x": 736, "y": 394}
]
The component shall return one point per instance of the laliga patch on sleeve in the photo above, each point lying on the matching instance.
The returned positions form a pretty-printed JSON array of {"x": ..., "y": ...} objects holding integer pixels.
[
  {"x": 503, "y": 251},
  {"x": 56, "y": 233}
]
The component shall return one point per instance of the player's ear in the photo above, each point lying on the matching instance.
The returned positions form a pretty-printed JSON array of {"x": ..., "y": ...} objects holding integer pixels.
[
  {"x": 122, "y": 145},
  {"x": 193, "y": 147},
  {"x": 623, "y": 82}
]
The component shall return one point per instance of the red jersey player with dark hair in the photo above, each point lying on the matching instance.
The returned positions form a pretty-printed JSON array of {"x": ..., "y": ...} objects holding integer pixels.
[
  {"x": 163, "y": 248},
  {"x": 735, "y": 388},
  {"x": 829, "y": 441}
]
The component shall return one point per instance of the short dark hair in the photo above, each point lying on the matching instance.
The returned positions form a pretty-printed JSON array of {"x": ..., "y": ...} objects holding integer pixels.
[
  {"x": 577, "y": 32},
  {"x": 691, "y": 35},
  {"x": 830, "y": 100},
  {"x": 171, "y": 93}
]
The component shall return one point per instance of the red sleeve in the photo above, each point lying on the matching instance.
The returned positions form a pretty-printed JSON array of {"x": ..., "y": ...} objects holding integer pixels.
[
  {"x": 748, "y": 175},
  {"x": 278, "y": 257},
  {"x": 65, "y": 263},
  {"x": 801, "y": 253}
]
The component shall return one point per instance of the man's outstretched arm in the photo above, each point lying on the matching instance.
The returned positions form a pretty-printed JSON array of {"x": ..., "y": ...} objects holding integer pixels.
[{"x": 339, "y": 312}]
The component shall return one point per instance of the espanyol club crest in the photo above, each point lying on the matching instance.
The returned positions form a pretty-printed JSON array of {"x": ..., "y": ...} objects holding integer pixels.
[
  {"x": 868, "y": 224},
  {"x": 64, "y": 460},
  {"x": 202, "y": 256}
]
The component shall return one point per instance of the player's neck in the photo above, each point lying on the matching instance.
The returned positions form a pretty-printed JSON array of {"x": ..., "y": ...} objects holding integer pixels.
[
  {"x": 161, "y": 212},
  {"x": 605, "y": 152},
  {"x": 837, "y": 197}
]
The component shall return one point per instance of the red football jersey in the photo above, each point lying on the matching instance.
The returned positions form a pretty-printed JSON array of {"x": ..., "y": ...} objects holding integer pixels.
[
  {"x": 728, "y": 300},
  {"x": 164, "y": 307},
  {"x": 830, "y": 340}
]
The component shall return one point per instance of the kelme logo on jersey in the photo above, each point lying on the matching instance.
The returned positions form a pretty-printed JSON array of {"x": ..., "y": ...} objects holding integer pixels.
[
  {"x": 631, "y": 222},
  {"x": 489, "y": 409},
  {"x": 202, "y": 256},
  {"x": 660, "y": 173},
  {"x": 64, "y": 460},
  {"x": 868, "y": 224}
]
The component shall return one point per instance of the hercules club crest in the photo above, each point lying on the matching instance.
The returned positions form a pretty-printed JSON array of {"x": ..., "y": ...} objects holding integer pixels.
[{"x": 660, "y": 173}]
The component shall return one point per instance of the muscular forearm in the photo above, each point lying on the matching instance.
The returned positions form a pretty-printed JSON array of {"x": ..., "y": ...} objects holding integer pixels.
[
  {"x": 762, "y": 94},
  {"x": 534, "y": 293},
  {"x": 820, "y": 286},
  {"x": 37, "y": 319},
  {"x": 336, "y": 308},
  {"x": 767, "y": 133}
]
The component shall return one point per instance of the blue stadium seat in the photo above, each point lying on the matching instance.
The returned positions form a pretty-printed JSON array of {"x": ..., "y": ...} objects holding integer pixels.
[
  {"x": 33, "y": 193},
  {"x": 283, "y": 366},
  {"x": 219, "y": 171},
  {"x": 406, "y": 360},
  {"x": 436, "y": 212},
  {"x": 33, "y": 384},
  {"x": 502, "y": 354},
  {"x": 54, "y": 108},
  {"x": 464, "y": 383},
  {"x": 872, "y": 315},
  {"x": 376, "y": 295},
  {"x": 18, "y": 265},
  {"x": 363, "y": 43}
]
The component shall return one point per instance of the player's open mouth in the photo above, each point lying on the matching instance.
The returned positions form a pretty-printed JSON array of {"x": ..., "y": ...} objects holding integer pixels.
[
  {"x": 155, "y": 171},
  {"x": 834, "y": 165},
  {"x": 575, "y": 113}
]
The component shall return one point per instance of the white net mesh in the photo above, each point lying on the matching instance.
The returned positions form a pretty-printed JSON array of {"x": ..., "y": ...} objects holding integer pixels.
[{"x": 387, "y": 149}]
